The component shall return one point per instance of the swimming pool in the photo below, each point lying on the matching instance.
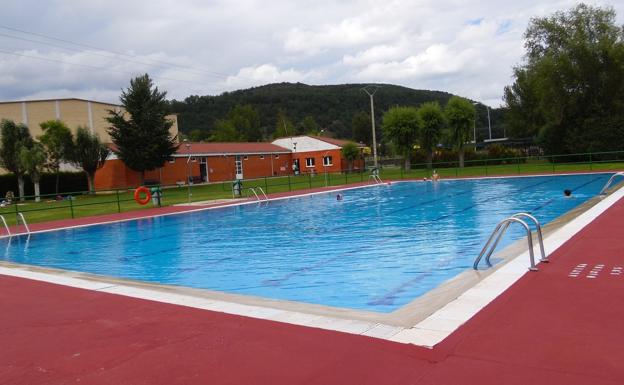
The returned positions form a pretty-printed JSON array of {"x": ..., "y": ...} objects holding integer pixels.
[{"x": 377, "y": 249}]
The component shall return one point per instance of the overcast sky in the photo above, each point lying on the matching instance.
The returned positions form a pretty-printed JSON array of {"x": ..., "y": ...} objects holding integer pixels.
[{"x": 208, "y": 47}]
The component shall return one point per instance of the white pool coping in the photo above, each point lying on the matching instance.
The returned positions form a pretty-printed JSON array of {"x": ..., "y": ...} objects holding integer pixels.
[{"x": 427, "y": 333}]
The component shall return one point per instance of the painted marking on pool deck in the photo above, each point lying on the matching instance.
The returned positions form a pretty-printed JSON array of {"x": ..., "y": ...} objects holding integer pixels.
[{"x": 595, "y": 271}]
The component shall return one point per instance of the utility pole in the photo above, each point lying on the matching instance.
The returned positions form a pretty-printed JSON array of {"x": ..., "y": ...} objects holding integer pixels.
[
  {"x": 489, "y": 124},
  {"x": 370, "y": 94}
]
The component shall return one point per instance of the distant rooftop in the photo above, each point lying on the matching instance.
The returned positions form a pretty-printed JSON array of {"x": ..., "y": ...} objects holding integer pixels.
[{"x": 59, "y": 99}]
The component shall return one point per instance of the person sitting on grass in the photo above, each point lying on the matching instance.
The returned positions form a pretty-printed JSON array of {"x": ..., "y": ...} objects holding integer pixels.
[{"x": 8, "y": 198}]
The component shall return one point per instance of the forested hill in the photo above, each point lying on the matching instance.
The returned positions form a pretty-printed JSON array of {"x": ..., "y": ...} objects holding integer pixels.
[{"x": 331, "y": 107}]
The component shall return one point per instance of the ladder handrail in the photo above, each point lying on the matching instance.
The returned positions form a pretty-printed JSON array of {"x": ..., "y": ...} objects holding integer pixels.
[
  {"x": 608, "y": 184},
  {"x": 501, "y": 227},
  {"x": 266, "y": 198},
  {"x": 255, "y": 193},
  {"x": 376, "y": 178},
  {"x": 540, "y": 238},
  {"x": 21, "y": 215},
  {"x": 6, "y": 226}
]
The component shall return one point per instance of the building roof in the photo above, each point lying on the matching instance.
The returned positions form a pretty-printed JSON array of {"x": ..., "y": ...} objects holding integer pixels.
[
  {"x": 234, "y": 148},
  {"x": 336, "y": 142},
  {"x": 59, "y": 99}
]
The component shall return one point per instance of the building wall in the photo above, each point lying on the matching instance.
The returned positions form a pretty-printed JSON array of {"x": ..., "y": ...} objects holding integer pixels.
[
  {"x": 73, "y": 112},
  {"x": 339, "y": 164},
  {"x": 220, "y": 168}
]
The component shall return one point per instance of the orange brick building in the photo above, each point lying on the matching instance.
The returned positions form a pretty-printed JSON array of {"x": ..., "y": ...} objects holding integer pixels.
[{"x": 217, "y": 162}]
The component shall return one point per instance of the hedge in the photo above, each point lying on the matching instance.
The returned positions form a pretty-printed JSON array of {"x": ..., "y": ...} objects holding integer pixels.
[{"x": 69, "y": 182}]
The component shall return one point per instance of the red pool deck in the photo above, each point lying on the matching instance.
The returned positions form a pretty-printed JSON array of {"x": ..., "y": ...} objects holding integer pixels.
[{"x": 561, "y": 325}]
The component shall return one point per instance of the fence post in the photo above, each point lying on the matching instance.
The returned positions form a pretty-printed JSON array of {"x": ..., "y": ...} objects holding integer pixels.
[
  {"x": 71, "y": 206},
  {"x": 486, "y": 171},
  {"x": 518, "y": 164},
  {"x": 346, "y": 176},
  {"x": 552, "y": 159},
  {"x": 456, "y": 171},
  {"x": 266, "y": 185},
  {"x": 289, "y": 187},
  {"x": 362, "y": 176},
  {"x": 401, "y": 172},
  {"x": 118, "y": 205},
  {"x": 310, "y": 180},
  {"x": 591, "y": 165}
]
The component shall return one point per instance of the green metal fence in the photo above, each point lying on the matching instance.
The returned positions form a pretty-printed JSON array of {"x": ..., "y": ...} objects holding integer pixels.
[{"x": 81, "y": 203}]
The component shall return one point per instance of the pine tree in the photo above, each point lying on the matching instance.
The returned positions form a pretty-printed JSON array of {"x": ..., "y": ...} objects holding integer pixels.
[{"x": 141, "y": 133}]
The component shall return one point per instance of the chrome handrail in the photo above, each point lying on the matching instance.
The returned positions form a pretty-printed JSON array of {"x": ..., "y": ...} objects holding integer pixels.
[
  {"x": 540, "y": 238},
  {"x": 606, "y": 186},
  {"x": 21, "y": 216},
  {"x": 6, "y": 226},
  {"x": 500, "y": 229},
  {"x": 255, "y": 193},
  {"x": 266, "y": 198},
  {"x": 376, "y": 178}
]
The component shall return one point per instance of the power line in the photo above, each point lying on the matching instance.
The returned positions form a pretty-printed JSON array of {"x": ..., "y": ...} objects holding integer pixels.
[
  {"x": 82, "y": 51},
  {"x": 89, "y": 66},
  {"x": 212, "y": 73}
]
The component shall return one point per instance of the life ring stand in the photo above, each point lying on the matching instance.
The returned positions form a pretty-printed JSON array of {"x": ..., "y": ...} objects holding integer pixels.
[{"x": 137, "y": 195}]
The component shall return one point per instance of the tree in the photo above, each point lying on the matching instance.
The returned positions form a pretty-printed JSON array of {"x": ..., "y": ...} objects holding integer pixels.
[
  {"x": 350, "y": 152},
  {"x": 143, "y": 141},
  {"x": 225, "y": 131},
  {"x": 309, "y": 126},
  {"x": 570, "y": 89},
  {"x": 57, "y": 142},
  {"x": 13, "y": 137},
  {"x": 460, "y": 114},
  {"x": 32, "y": 161},
  {"x": 361, "y": 128},
  {"x": 88, "y": 154},
  {"x": 433, "y": 122},
  {"x": 401, "y": 125},
  {"x": 283, "y": 126},
  {"x": 246, "y": 121}
]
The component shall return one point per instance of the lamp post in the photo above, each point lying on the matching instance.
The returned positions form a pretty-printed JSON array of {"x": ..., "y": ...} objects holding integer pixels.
[
  {"x": 371, "y": 94},
  {"x": 489, "y": 124},
  {"x": 188, "y": 171}
]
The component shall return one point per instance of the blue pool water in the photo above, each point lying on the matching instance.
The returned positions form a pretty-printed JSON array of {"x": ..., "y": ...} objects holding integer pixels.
[{"x": 377, "y": 249}]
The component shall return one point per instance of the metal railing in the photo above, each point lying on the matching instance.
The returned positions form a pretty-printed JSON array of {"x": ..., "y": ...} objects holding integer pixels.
[
  {"x": 375, "y": 178},
  {"x": 6, "y": 226},
  {"x": 500, "y": 230},
  {"x": 21, "y": 216},
  {"x": 609, "y": 182}
]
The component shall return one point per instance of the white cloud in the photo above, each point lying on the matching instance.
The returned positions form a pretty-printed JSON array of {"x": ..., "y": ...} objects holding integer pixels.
[{"x": 464, "y": 47}]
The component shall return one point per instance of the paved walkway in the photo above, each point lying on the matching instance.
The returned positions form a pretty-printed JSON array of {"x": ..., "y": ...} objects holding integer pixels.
[{"x": 561, "y": 325}]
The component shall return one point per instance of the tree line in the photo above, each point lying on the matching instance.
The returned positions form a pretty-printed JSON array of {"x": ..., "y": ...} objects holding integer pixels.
[
  {"x": 23, "y": 155},
  {"x": 569, "y": 92},
  {"x": 429, "y": 126}
]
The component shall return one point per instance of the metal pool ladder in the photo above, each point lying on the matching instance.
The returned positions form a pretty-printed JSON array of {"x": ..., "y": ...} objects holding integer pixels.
[
  {"x": 375, "y": 178},
  {"x": 20, "y": 216},
  {"x": 253, "y": 190},
  {"x": 606, "y": 186},
  {"x": 499, "y": 231},
  {"x": 5, "y": 225}
]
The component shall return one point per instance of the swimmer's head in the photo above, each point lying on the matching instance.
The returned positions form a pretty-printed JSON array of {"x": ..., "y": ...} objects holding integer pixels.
[{"x": 567, "y": 192}]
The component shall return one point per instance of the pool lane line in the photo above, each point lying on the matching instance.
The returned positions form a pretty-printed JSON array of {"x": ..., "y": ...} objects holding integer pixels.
[
  {"x": 550, "y": 201},
  {"x": 388, "y": 298},
  {"x": 278, "y": 281}
]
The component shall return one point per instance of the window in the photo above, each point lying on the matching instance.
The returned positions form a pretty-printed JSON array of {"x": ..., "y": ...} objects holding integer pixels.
[
  {"x": 261, "y": 156},
  {"x": 327, "y": 161},
  {"x": 309, "y": 162},
  {"x": 276, "y": 156},
  {"x": 172, "y": 160},
  {"x": 245, "y": 157}
]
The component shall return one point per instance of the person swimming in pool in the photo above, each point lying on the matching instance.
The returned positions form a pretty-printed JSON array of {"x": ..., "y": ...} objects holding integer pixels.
[{"x": 567, "y": 193}]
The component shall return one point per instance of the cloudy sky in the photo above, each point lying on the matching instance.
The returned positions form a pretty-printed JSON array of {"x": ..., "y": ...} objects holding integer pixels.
[{"x": 90, "y": 49}]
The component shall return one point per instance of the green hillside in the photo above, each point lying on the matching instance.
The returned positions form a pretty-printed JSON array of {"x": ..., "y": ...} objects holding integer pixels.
[{"x": 332, "y": 106}]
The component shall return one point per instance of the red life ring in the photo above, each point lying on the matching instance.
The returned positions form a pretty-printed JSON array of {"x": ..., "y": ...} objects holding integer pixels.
[{"x": 137, "y": 195}]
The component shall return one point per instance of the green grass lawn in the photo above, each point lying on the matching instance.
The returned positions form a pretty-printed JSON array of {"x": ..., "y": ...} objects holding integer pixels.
[{"x": 121, "y": 201}]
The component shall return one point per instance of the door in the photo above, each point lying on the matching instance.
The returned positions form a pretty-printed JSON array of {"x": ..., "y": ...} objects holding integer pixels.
[
  {"x": 239, "y": 167},
  {"x": 203, "y": 169}
]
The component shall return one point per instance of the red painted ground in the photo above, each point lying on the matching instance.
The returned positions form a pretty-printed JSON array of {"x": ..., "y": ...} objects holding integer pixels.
[{"x": 548, "y": 328}]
